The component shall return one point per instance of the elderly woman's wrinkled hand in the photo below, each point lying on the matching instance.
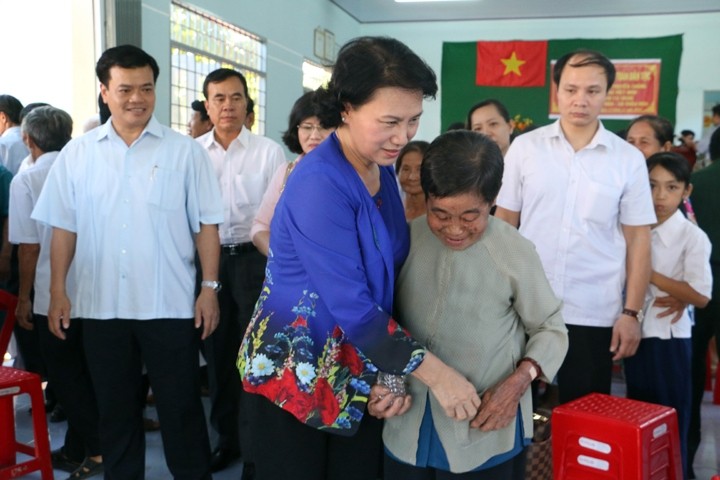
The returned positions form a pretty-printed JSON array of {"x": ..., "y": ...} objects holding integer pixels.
[
  {"x": 383, "y": 404},
  {"x": 500, "y": 404}
]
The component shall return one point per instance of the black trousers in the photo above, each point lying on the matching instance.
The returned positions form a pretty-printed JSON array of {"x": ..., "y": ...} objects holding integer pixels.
[
  {"x": 67, "y": 370},
  {"x": 27, "y": 341},
  {"x": 707, "y": 325},
  {"x": 116, "y": 351},
  {"x": 513, "y": 469},
  {"x": 241, "y": 276},
  {"x": 289, "y": 449},
  {"x": 588, "y": 364}
]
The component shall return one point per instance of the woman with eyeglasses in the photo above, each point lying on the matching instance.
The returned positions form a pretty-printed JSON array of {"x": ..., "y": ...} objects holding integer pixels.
[{"x": 304, "y": 133}]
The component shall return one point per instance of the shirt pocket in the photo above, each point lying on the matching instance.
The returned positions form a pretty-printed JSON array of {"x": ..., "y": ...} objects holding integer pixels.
[
  {"x": 249, "y": 188},
  {"x": 167, "y": 189},
  {"x": 599, "y": 203}
]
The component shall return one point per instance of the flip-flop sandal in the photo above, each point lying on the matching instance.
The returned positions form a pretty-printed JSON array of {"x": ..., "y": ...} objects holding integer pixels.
[
  {"x": 60, "y": 461},
  {"x": 88, "y": 468}
]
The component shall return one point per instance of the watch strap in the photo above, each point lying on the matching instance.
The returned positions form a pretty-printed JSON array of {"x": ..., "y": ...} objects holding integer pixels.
[{"x": 630, "y": 313}]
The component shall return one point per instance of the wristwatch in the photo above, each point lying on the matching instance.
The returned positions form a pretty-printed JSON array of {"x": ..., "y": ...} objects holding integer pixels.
[
  {"x": 638, "y": 315},
  {"x": 214, "y": 284}
]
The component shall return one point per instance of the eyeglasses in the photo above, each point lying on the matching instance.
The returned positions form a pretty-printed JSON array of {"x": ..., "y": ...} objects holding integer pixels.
[{"x": 308, "y": 129}]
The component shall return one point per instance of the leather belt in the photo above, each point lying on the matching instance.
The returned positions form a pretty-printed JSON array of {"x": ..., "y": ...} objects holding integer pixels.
[{"x": 238, "y": 248}]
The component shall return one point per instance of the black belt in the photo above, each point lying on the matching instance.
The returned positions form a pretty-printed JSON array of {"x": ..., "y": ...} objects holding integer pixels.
[{"x": 238, "y": 248}]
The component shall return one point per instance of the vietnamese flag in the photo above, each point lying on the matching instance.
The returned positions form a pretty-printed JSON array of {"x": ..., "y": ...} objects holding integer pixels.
[{"x": 511, "y": 64}]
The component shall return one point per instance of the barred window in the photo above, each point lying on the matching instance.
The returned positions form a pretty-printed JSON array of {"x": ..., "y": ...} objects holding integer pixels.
[{"x": 200, "y": 44}]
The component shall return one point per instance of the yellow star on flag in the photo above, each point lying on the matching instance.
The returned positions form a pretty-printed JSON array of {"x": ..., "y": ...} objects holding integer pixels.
[{"x": 512, "y": 65}]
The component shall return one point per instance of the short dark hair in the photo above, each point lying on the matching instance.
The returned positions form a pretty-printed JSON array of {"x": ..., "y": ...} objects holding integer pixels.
[
  {"x": 456, "y": 126},
  {"x": 587, "y": 57},
  {"x": 304, "y": 107},
  {"x": 685, "y": 133},
  {"x": 29, "y": 108},
  {"x": 11, "y": 107},
  {"x": 714, "y": 149},
  {"x": 124, "y": 56},
  {"x": 250, "y": 105},
  {"x": 501, "y": 108},
  {"x": 366, "y": 64},
  {"x": 103, "y": 110},
  {"x": 49, "y": 128},
  {"x": 199, "y": 106},
  {"x": 222, "y": 74},
  {"x": 661, "y": 127},
  {"x": 462, "y": 161},
  {"x": 674, "y": 163},
  {"x": 419, "y": 146},
  {"x": 716, "y": 109}
]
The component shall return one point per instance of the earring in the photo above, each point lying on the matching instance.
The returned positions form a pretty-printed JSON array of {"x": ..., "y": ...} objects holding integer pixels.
[{"x": 343, "y": 119}]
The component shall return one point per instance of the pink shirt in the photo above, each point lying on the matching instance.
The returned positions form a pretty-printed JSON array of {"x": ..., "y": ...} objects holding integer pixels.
[{"x": 264, "y": 215}]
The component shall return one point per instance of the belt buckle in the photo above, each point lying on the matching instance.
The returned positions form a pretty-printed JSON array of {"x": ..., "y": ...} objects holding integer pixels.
[{"x": 238, "y": 248}]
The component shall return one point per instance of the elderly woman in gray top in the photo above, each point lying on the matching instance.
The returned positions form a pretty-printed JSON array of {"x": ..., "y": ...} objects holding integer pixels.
[{"x": 473, "y": 290}]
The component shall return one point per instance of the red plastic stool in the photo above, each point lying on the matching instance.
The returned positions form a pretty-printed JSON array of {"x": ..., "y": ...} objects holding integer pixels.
[
  {"x": 603, "y": 437},
  {"x": 15, "y": 382},
  {"x": 8, "y": 302}
]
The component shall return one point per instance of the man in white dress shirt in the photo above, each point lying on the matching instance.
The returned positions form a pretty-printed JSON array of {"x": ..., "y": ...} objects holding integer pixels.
[
  {"x": 129, "y": 203},
  {"x": 244, "y": 164},
  {"x": 582, "y": 196}
]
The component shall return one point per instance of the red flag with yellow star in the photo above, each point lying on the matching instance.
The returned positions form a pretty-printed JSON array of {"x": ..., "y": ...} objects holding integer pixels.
[{"x": 511, "y": 64}]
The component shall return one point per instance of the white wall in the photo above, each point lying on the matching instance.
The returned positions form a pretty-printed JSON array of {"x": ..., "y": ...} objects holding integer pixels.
[
  {"x": 699, "y": 68},
  {"x": 48, "y": 54}
]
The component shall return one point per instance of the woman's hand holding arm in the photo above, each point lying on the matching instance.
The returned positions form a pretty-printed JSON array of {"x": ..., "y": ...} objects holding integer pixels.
[
  {"x": 454, "y": 392},
  {"x": 383, "y": 404}
]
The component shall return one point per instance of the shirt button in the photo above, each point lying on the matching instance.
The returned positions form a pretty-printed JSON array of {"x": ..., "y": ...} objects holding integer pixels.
[
  {"x": 124, "y": 225},
  {"x": 124, "y": 251}
]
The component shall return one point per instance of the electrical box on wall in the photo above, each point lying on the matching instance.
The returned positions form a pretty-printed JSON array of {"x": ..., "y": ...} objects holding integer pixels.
[{"x": 324, "y": 44}]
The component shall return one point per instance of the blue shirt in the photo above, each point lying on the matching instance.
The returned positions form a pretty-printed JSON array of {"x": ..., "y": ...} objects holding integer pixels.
[
  {"x": 12, "y": 149},
  {"x": 431, "y": 453},
  {"x": 322, "y": 327},
  {"x": 134, "y": 210}
]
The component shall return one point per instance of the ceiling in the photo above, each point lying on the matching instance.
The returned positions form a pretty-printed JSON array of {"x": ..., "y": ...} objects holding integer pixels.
[{"x": 380, "y": 11}]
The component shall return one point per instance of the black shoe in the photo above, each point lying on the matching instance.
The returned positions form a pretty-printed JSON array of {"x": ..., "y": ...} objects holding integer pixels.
[
  {"x": 58, "y": 414},
  {"x": 221, "y": 458},
  {"x": 151, "y": 425},
  {"x": 248, "y": 472}
]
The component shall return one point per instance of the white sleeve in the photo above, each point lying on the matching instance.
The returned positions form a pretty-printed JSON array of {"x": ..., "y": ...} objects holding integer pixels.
[{"x": 510, "y": 196}]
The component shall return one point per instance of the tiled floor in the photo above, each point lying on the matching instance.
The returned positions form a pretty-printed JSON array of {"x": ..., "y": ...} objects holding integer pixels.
[
  {"x": 707, "y": 461},
  {"x": 155, "y": 468}
]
